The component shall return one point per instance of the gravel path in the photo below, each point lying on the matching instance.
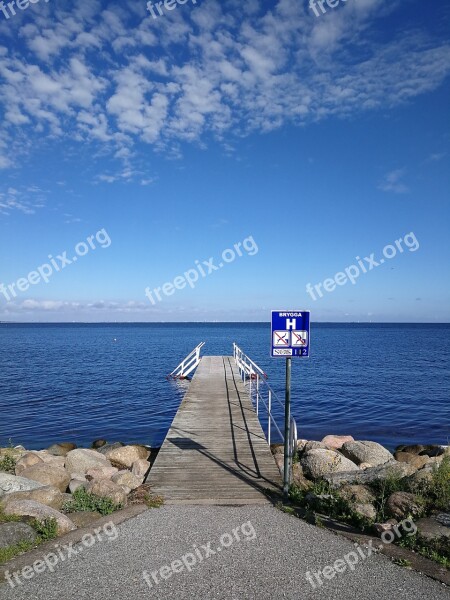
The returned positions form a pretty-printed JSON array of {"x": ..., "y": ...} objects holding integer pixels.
[{"x": 267, "y": 556}]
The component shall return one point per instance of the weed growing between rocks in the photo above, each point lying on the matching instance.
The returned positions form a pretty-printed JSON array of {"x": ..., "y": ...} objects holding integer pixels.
[
  {"x": 83, "y": 501},
  {"x": 45, "y": 530}
]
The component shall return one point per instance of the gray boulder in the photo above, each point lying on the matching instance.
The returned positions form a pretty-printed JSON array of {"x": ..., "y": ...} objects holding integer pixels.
[
  {"x": 14, "y": 483},
  {"x": 390, "y": 469},
  {"x": 36, "y": 510},
  {"x": 366, "y": 452},
  {"x": 12, "y": 534},
  {"x": 81, "y": 460},
  {"x": 402, "y": 504},
  {"x": 317, "y": 463}
]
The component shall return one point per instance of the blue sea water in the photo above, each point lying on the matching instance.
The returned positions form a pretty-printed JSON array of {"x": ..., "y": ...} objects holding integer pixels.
[{"x": 78, "y": 382}]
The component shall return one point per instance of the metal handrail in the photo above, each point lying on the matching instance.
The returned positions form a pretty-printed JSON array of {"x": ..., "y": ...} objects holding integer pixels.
[
  {"x": 251, "y": 371},
  {"x": 188, "y": 364}
]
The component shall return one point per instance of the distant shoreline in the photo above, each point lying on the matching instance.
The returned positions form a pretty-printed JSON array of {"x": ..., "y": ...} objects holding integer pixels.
[{"x": 217, "y": 323}]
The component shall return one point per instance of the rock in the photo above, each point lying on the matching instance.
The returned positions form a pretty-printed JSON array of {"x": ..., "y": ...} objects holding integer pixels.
[
  {"x": 140, "y": 468},
  {"x": 313, "y": 445},
  {"x": 126, "y": 489},
  {"x": 420, "y": 480},
  {"x": 48, "y": 475},
  {"x": 81, "y": 460},
  {"x": 36, "y": 510},
  {"x": 12, "y": 534},
  {"x": 412, "y": 449},
  {"x": 279, "y": 459},
  {"x": 433, "y": 451},
  {"x": 317, "y": 463},
  {"x": 98, "y": 443},
  {"x": 300, "y": 445},
  {"x": 390, "y": 469},
  {"x": 335, "y": 442},
  {"x": 15, "y": 453},
  {"x": 107, "y": 447},
  {"x": 27, "y": 460},
  {"x": 431, "y": 528},
  {"x": 127, "y": 455},
  {"x": 13, "y": 483},
  {"x": 413, "y": 459},
  {"x": 57, "y": 450},
  {"x": 68, "y": 446},
  {"x": 48, "y": 495},
  {"x": 299, "y": 479},
  {"x": 56, "y": 461},
  {"x": 85, "y": 519},
  {"x": 366, "y": 452},
  {"x": 402, "y": 504},
  {"x": 107, "y": 489},
  {"x": 274, "y": 448},
  {"x": 388, "y": 526},
  {"x": 128, "y": 479},
  {"x": 365, "y": 466},
  {"x": 101, "y": 472},
  {"x": 360, "y": 500},
  {"x": 77, "y": 483}
]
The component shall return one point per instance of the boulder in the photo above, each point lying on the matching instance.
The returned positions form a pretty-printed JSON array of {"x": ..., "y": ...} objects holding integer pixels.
[
  {"x": 15, "y": 453},
  {"x": 48, "y": 495},
  {"x": 27, "y": 460},
  {"x": 14, "y": 483},
  {"x": 317, "y": 463},
  {"x": 35, "y": 510},
  {"x": 413, "y": 459},
  {"x": 126, "y": 478},
  {"x": 77, "y": 483},
  {"x": 299, "y": 479},
  {"x": 12, "y": 534},
  {"x": 314, "y": 445},
  {"x": 107, "y": 489},
  {"x": 126, "y": 489},
  {"x": 402, "y": 504},
  {"x": 81, "y": 460},
  {"x": 420, "y": 480},
  {"x": 300, "y": 445},
  {"x": 433, "y": 528},
  {"x": 56, "y": 461},
  {"x": 360, "y": 499},
  {"x": 48, "y": 475},
  {"x": 98, "y": 444},
  {"x": 101, "y": 472},
  {"x": 274, "y": 448},
  {"x": 127, "y": 455},
  {"x": 58, "y": 450},
  {"x": 388, "y": 526},
  {"x": 140, "y": 468},
  {"x": 335, "y": 442},
  {"x": 107, "y": 447},
  {"x": 390, "y": 469},
  {"x": 85, "y": 519},
  {"x": 366, "y": 452}
]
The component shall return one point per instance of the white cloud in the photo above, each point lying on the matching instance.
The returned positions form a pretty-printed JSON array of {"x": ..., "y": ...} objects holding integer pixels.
[
  {"x": 116, "y": 79},
  {"x": 392, "y": 182}
]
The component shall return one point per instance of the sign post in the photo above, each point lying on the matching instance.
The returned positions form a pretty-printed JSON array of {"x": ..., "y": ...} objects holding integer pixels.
[{"x": 290, "y": 337}]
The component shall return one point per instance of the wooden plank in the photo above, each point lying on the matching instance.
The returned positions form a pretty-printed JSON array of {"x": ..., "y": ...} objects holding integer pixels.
[{"x": 215, "y": 451}]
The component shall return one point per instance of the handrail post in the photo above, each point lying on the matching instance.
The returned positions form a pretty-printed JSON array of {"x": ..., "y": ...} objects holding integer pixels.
[
  {"x": 257, "y": 394},
  {"x": 270, "y": 416}
]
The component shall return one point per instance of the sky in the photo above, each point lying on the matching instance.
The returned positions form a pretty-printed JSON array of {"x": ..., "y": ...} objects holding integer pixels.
[{"x": 223, "y": 159}]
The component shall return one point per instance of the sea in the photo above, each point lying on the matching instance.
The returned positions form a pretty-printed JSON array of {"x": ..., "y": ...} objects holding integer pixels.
[{"x": 389, "y": 383}]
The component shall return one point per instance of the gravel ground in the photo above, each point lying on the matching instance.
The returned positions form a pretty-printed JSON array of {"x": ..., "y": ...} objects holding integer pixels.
[{"x": 271, "y": 559}]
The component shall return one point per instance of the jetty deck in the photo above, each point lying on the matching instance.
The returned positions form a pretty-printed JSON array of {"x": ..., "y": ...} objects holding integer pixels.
[{"x": 215, "y": 451}]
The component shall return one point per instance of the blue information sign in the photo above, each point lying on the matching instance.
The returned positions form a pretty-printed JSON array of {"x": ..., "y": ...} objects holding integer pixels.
[{"x": 290, "y": 333}]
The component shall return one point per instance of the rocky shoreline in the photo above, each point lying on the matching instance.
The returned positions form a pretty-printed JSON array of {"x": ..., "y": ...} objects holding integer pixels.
[
  {"x": 365, "y": 485},
  {"x": 66, "y": 487}
]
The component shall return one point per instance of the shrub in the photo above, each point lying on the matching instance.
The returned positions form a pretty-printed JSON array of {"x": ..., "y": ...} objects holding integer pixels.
[
  {"x": 46, "y": 529},
  {"x": 83, "y": 501}
]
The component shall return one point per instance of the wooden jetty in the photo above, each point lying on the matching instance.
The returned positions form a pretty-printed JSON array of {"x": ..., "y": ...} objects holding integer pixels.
[{"x": 215, "y": 451}]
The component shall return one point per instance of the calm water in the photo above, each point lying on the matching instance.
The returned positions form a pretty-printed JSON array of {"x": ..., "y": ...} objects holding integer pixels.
[{"x": 388, "y": 383}]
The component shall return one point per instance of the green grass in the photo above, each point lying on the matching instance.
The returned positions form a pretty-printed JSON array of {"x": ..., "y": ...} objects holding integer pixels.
[
  {"x": 11, "y": 551},
  {"x": 46, "y": 530},
  {"x": 153, "y": 501},
  {"x": 8, "y": 464},
  {"x": 83, "y": 501}
]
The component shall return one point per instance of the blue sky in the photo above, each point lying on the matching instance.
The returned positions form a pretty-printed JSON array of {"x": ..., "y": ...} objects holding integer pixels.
[{"x": 321, "y": 139}]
